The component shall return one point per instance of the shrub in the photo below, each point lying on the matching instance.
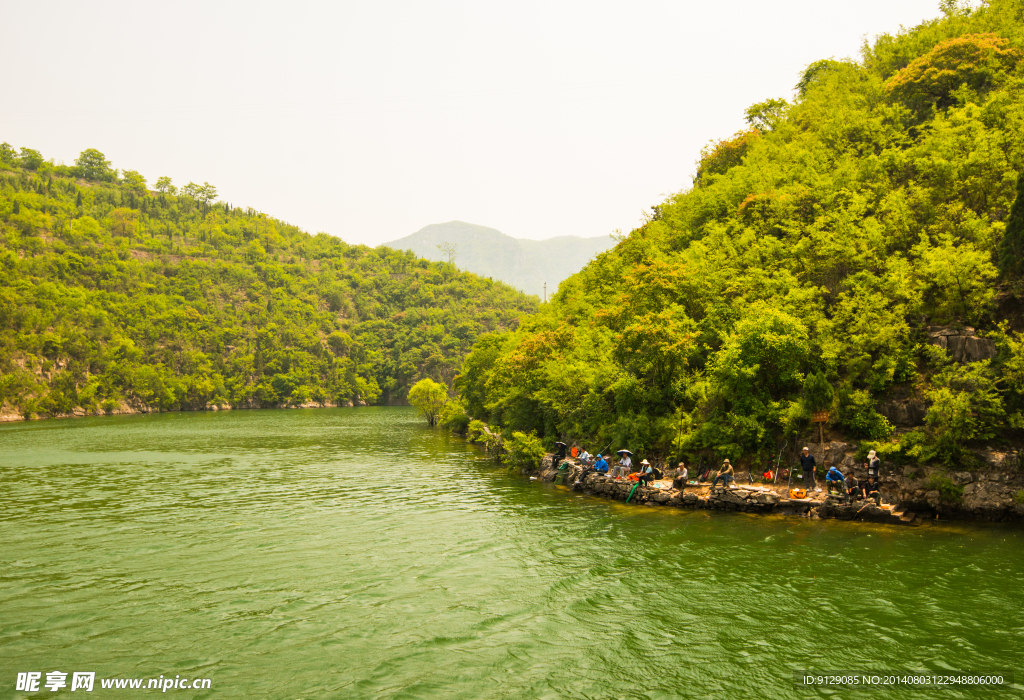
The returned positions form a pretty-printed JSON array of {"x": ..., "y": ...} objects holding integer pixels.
[
  {"x": 945, "y": 486},
  {"x": 475, "y": 431},
  {"x": 891, "y": 452},
  {"x": 523, "y": 450},
  {"x": 858, "y": 415},
  {"x": 454, "y": 418},
  {"x": 965, "y": 407}
]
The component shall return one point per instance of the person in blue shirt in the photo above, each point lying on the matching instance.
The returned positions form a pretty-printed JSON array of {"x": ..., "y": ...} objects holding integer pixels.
[
  {"x": 835, "y": 480},
  {"x": 600, "y": 465}
]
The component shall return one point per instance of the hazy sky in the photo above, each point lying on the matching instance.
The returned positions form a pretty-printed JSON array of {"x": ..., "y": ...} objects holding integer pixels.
[{"x": 370, "y": 120}]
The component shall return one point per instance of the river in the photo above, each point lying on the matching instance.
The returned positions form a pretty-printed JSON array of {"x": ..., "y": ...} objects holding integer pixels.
[{"x": 356, "y": 553}]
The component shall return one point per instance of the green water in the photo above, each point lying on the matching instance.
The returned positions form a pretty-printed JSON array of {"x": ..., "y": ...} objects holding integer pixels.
[{"x": 355, "y": 553}]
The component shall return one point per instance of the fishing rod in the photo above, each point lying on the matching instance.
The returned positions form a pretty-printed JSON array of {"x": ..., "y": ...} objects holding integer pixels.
[
  {"x": 790, "y": 488},
  {"x": 777, "y": 463}
]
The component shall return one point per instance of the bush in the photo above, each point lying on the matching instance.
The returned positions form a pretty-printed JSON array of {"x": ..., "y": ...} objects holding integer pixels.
[
  {"x": 891, "y": 452},
  {"x": 523, "y": 450},
  {"x": 945, "y": 486},
  {"x": 965, "y": 407},
  {"x": 475, "y": 431},
  {"x": 454, "y": 418},
  {"x": 858, "y": 415}
]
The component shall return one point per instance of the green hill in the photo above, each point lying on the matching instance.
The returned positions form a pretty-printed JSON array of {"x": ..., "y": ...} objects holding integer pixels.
[
  {"x": 116, "y": 297},
  {"x": 829, "y": 257},
  {"x": 522, "y": 263}
]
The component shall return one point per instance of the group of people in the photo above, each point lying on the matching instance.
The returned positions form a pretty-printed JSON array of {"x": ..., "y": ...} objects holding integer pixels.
[
  {"x": 645, "y": 473},
  {"x": 837, "y": 483},
  {"x": 847, "y": 485}
]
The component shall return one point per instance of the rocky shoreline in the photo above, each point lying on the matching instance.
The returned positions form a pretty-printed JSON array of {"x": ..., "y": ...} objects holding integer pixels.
[
  {"x": 8, "y": 415},
  {"x": 908, "y": 496}
]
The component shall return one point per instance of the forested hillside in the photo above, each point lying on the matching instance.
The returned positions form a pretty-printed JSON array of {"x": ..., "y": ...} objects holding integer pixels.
[
  {"x": 117, "y": 297},
  {"x": 821, "y": 260}
]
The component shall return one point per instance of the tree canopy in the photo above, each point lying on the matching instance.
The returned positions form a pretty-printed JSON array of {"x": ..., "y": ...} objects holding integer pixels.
[
  {"x": 114, "y": 296},
  {"x": 803, "y": 268}
]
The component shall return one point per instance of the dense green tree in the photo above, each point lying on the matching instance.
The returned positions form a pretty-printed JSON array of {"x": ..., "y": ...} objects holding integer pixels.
[
  {"x": 813, "y": 251},
  {"x": 134, "y": 182},
  {"x": 164, "y": 185},
  {"x": 30, "y": 159},
  {"x": 429, "y": 398},
  {"x": 1011, "y": 250},
  {"x": 109, "y": 297},
  {"x": 93, "y": 165}
]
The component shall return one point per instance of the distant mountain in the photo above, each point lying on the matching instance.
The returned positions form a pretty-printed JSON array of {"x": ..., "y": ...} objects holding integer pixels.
[{"x": 519, "y": 262}]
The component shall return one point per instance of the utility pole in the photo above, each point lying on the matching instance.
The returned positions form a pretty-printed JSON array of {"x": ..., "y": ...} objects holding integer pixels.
[{"x": 545, "y": 292}]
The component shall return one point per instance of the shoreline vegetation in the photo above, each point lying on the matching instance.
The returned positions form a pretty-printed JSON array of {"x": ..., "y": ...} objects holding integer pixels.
[{"x": 855, "y": 254}]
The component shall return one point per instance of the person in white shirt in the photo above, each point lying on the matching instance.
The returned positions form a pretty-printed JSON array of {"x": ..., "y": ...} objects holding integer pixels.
[
  {"x": 680, "y": 476},
  {"x": 624, "y": 467}
]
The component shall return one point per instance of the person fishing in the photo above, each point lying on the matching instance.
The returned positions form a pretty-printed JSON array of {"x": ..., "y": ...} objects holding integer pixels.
[
  {"x": 854, "y": 491},
  {"x": 600, "y": 465},
  {"x": 560, "y": 454},
  {"x": 725, "y": 474},
  {"x": 874, "y": 490},
  {"x": 807, "y": 464},
  {"x": 835, "y": 481},
  {"x": 624, "y": 467},
  {"x": 679, "y": 476},
  {"x": 646, "y": 473}
]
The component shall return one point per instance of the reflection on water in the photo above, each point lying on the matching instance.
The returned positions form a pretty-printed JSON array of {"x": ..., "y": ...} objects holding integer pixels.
[{"x": 357, "y": 553}]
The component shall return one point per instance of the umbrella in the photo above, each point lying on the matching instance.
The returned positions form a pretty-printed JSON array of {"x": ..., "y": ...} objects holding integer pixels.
[
  {"x": 626, "y": 451},
  {"x": 560, "y": 443}
]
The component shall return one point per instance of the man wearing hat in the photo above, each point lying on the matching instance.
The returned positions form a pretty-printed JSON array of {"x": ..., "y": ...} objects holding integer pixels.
[
  {"x": 725, "y": 474},
  {"x": 807, "y": 463},
  {"x": 874, "y": 465}
]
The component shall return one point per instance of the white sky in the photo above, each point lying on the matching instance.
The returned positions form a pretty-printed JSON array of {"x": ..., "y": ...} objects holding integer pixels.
[{"x": 370, "y": 120}]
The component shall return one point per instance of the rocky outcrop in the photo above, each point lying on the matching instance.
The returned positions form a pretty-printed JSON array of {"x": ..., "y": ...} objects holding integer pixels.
[
  {"x": 977, "y": 495},
  {"x": 963, "y": 345},
  {"x": 904, "y": 411},
  {"x": 834, "y": 453},
  {"x": 865, "y": 510}
]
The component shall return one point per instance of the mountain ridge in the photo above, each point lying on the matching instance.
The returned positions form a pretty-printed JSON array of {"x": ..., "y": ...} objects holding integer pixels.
[{"x": 523, "y": 263}]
